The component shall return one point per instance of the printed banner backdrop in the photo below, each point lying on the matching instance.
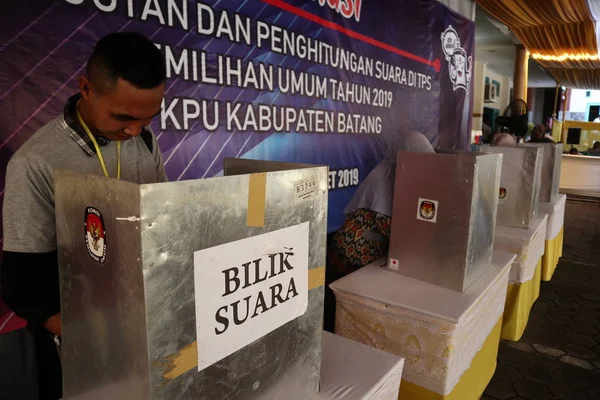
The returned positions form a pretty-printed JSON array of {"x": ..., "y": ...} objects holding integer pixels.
[{"x": 313, "y": 81}]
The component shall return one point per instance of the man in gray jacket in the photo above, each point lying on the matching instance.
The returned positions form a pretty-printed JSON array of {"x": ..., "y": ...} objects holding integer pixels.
[{"x": 103, "y": 130}]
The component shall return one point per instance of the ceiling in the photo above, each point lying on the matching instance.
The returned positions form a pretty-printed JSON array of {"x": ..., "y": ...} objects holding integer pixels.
[
  {"x": 562, "y": 35},
  {"x": 495, "y": 45}
]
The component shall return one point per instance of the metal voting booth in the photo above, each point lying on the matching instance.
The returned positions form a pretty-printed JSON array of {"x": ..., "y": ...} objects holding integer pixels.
[
  {"x": 444, "y": 216},
  {"x": 551, "y": 166},
  {"x": 130, "y": 256},
  {"x": 518, "y": 197}
]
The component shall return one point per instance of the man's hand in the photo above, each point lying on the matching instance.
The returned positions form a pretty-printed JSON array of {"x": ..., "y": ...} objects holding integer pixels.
[{"x": 53, "y": 324}]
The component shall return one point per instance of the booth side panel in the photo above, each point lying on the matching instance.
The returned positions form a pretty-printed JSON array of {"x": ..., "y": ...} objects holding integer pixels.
[
  {"x": 519, "y": 185},
  {"x": 558, "y": 149},
  {"x": 537, "y": 183},
  {"x": 550, "y": 178},
  {"x": 181, "y": 218},
  {"x": 241, "y": 166},
  {"x": 484, "y": 209},
  {"x": 104, "y": 348},
  {"x": 431, "y": 214}
]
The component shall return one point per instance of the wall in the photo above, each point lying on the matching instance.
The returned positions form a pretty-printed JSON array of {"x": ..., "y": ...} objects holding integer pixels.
[
  {"x": 478, "y": 94},
  {"x": 466, "y": 8},
  {"x": 537, "y": 111},
  {"x": 537, "y": 99},
  {"x": 578, "y": 109},
  {"x": 506, "y": 83},
  {"x": 482, "y": 71}
]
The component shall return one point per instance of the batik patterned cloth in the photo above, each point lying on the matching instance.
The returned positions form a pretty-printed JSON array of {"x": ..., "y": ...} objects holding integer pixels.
[{"x": 362, "y": 239}]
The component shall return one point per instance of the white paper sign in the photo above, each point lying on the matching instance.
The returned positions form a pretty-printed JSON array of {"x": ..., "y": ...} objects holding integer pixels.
[{"x": 248, "y": 288}]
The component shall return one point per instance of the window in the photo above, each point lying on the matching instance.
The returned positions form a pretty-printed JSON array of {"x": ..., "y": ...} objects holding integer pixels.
[{"x": 588, "y": 93}]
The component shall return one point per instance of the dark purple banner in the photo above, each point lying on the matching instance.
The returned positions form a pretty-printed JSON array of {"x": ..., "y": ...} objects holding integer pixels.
[{"x": 322, "y": 82}]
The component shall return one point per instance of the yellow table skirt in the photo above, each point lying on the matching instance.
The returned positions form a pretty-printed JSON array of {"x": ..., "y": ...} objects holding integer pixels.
[
  {"x": 519, "y": 300},
  {"x": 552, "y": 254},
  {"x": 473, "y": 382}
]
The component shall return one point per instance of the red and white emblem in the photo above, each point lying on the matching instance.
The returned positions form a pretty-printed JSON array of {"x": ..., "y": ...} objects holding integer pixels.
[
  {"x": 427, "y": 210},
  {"x": 95, "y": 235}
]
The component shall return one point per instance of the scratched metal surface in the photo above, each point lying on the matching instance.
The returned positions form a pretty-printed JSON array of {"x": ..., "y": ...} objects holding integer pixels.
[
  {"x": 102, "y": 305},
  {"x": 484, "y": 213},
  {"x": 551, "y": 165},
  {"x": 177, "y": 219},
  {"x": 457, "y": 248},
  {"x": 521, "y": 177}
]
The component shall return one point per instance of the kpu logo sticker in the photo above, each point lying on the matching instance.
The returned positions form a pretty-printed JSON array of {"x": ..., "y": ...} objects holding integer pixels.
[
  {"x": 502, "y": 193},
  {"x": 95, "y": 235},
  {"x": 427, "y": 210},
  {"x": 460, "y": 65}
]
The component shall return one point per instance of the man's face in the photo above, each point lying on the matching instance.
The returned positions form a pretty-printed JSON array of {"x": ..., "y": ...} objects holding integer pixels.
[{"x": 122, "y": 111}]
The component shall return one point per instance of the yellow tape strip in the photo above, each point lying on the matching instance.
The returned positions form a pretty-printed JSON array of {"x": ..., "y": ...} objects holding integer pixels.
[
  {"x": 257, "y": 192},
  {"x": 316, "y": 277},
  {"x": 181, "y": 362},
  {"x": 186, "y": 359}
]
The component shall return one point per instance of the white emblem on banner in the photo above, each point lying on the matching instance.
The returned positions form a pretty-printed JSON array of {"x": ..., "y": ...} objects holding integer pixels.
[
  {"x": 460, "y": 65},
  {"x": 248, "y": 288}
]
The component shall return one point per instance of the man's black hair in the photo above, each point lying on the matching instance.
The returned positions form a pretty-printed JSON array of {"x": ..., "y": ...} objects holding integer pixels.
[{"x": 129, "y": 56}]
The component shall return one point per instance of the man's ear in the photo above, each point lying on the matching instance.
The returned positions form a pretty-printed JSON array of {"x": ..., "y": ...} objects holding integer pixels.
[{"x": 85, "y": 87}]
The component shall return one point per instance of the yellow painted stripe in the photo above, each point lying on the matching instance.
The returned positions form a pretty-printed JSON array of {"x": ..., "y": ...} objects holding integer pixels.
[
  {"x": 186, "y": 359},
  {"x": 257, "y": 192}
]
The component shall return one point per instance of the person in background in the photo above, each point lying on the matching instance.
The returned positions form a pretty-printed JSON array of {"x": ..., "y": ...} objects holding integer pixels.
[
  {"x": 538, "y": 135},
  {"x": 365, "y": 235},
  {"x": 119, "y": 95},
  {"x": 503, "y": 139},
  {"x": 595, "y": 150},
  {"x": 486, "y": 129},
  {"x": 574, "y": 151}
]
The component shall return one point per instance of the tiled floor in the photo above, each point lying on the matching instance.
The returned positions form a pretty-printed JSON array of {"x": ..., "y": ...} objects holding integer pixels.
[{"x": 558, "y": 357}]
